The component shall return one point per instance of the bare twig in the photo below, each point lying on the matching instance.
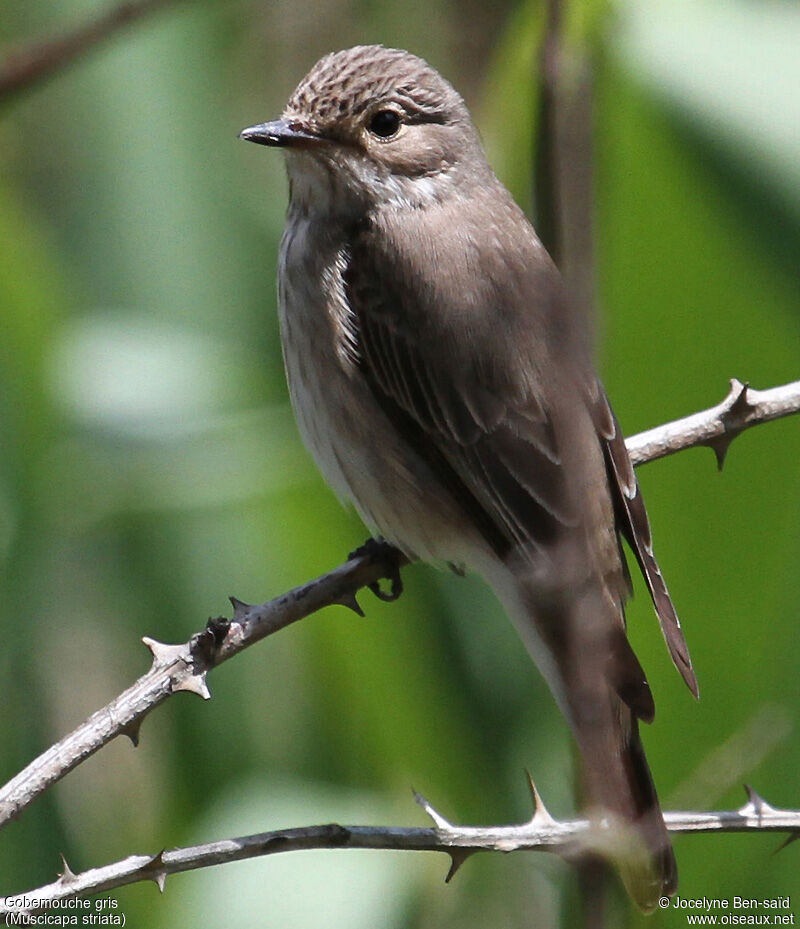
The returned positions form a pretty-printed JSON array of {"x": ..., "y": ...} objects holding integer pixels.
[
  {"x": 718, "y": 426},
  {"x": 184, "y": 667},
  {"x": 541, "y": 833},
  {"x": 26, "y": 65}
]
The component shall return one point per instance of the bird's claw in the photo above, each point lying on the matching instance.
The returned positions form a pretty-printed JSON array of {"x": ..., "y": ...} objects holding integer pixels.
[{"x": 381, "y": 550}]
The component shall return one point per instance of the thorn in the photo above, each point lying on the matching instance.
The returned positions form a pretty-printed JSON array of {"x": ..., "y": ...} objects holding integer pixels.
[
  {"x": 735, "y": 408},
  {"x": 240, "y": 610},
  {"x": 740, "y": 403},
  {"x": 165, "y": 654},
  {"x": 720, "y": 447},
  {"x": 132, "y": 731},
  {"x": 756, "y": 805},
  {"x": 457, "y": 857},
  {"x": 756, "y": 800},
  {"x": 157, "y": 861},
  {"x": 194, "y": 684},
  {"x": 67, "y": 875},
  {"x": 349, "y": 600},
  {"x": 540, "y": 812},
  {"x": 792, "y": 837},
  {"x": 156, "y": 870},
  {"x": 439, "y": 821}
]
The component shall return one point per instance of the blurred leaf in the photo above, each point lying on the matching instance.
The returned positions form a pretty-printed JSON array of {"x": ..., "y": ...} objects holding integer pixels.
[{"x": 740, "y": 88}]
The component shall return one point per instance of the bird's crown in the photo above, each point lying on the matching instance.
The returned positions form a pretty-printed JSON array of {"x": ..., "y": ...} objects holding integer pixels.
[{"x": 343, "y": 85}]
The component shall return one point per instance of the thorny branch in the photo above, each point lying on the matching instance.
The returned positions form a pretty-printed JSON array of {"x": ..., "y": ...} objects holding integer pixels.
[
  {"x": 541, "y": 833},
  {"x": 718, "y": 426},
  {"x": 184, "y": 667},
  {"x": 26, "y": 65}
]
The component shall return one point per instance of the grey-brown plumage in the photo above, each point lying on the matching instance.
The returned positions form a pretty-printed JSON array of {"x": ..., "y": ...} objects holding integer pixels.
[{"x": 445, "y": 388}]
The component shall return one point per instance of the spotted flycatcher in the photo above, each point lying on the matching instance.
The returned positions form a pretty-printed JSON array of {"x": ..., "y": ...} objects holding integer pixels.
[{"x": 444, "y": 387}]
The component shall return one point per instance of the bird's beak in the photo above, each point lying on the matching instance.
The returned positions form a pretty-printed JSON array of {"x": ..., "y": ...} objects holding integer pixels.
[{"x": 281, "y": 132}]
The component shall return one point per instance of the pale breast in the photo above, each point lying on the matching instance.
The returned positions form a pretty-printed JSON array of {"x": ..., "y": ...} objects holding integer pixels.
[
  {"x": 316, "y": 377},
  {"x": 352, "y": 441}
]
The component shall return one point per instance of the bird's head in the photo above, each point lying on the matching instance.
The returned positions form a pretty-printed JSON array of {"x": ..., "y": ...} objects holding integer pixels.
[{"x": 373, "y": 125}]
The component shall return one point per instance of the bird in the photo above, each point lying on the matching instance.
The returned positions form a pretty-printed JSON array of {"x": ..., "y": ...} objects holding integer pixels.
[{"x": 445, "y": 387}]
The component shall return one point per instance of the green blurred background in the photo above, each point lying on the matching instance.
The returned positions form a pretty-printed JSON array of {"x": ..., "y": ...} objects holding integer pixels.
[{"x": 149, "y": 464}]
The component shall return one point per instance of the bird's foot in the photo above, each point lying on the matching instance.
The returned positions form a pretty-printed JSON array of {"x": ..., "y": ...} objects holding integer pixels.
[{"x": 384, "y": 552}]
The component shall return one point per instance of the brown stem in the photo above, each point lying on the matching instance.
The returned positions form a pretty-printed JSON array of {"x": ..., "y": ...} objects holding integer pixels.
[{"x": 26, "y": 65}]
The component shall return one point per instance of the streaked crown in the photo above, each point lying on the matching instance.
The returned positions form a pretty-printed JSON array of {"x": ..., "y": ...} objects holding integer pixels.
[
  {"x": 373, "y": 126},
  {"x": 344, "y": 85}
]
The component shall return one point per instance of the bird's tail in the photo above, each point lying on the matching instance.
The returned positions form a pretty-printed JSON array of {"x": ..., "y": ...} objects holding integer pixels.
[
  {"x": 576, "y": 634},
  {"x": 621, "y": 785},
  {"x": 607, "y": 695}
]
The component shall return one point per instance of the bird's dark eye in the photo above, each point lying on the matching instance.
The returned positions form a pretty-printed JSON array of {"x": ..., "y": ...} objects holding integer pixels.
[{"x": 385, "y": 124}]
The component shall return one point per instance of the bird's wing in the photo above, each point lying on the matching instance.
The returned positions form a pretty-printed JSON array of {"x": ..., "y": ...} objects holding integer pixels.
[
  {"x": 486, "y": 431},
  {"x": 463, "y": 382},
  {"x": 633, "y": 523}
]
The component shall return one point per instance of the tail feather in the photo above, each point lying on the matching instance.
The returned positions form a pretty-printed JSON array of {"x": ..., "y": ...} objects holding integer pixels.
[
  {"x": 620, "y": 782},
  {"x": 577, "y": 635},
  {"x": 568, "y": 603},
  {"x": 651, "y": 820},
  {"x": 633, "y": 523}
]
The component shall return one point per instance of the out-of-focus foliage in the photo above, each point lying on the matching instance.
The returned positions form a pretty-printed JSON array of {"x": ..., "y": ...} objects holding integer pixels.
[{"x": 149, "y": 464}]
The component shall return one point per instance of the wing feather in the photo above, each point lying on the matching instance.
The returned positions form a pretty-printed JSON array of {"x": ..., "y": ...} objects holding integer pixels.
[
  {"x": 500, "y": 447},
  {"x": 633, "y": 523},
  {"x": 489, "y": 428}
]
